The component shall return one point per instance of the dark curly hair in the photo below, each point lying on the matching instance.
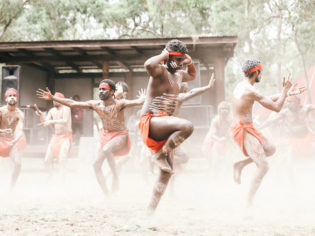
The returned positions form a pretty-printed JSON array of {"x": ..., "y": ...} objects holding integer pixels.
[
  {"x": 124, "y": 86},
  {"x": 176, "y": 46},
  {"x": 110, "y": 83},
  {"x": 249, "y": 64}
]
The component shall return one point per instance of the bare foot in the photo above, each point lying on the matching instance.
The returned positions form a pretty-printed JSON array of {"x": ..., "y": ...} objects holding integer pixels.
[
  {"x": 161, "y": 160},
  {"x": 237, "y": 171}
]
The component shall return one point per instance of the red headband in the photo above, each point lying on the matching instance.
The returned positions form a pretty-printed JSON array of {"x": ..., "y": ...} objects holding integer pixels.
[
  {"x": 256, "y": 68},
  {"x": 59, "y": 95},
  {"x": 176, "y": 54},
  {"x": 105, "y": 86},
  {"x": 11, "y": 91}
]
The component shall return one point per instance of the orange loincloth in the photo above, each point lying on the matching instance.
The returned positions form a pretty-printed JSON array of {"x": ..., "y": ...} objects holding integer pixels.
[
  {"x": 5, "y": 148},
  {"x": 238, "y": 132},
  {"x": 106, "y": 137},
  {"x": 57, "y": 141},
  {"x": 144, "y": 126}
]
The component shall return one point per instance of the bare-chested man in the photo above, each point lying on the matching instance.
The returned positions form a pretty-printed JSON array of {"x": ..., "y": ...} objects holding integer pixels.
[
  {"x": 217, "y": 144},
  {"x": 219, "y": 131},
  {"x": 295, "y": 131},
  {"x": 60, "y": 144},
  {"x": 121, "y": 93},
  {"x": 295, "y": 125},
  {"x": 161, "y": 131},
  {"x": 253, "y": 145},
  {"x": 11, "y": 133},
  {"x": 114, "y": 138}
]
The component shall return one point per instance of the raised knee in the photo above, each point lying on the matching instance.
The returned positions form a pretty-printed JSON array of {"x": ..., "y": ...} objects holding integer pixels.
[
  {"x": 188, "y": 128},
  {"x": 270, "y": 151}
]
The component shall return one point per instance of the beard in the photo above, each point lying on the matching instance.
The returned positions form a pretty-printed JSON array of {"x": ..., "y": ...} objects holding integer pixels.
[
  {"x": 12, "y": 102},
  {"x": 171, "y": 69},
  {"x": 258, "y": 79},
  {"x": 103, "y": 96}
]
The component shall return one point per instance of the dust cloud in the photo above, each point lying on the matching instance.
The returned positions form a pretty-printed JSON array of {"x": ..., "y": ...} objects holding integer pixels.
[{"x": 199, "y": 203}]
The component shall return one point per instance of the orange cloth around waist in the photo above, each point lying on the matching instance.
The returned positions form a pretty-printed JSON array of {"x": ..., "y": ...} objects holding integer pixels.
[
  {"x": 105, "y": 137},
  {"x": 5, "y": 148},
  {"x": 238, "y": 132},
  {"x": 57, "y": 141},
  {"x": 144, "y": 126}
]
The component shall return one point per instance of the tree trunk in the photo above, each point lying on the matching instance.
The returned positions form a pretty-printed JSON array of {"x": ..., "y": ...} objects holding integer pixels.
[
  {"x": 279, "y": 52},
  {"x": 308, "y": 92}
]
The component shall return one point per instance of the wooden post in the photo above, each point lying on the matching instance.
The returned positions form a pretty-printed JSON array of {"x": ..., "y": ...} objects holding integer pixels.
[
  {"x": 105, "y": 70},
  {"x": 51, "y": 82},
  {"x": 128, "y": 80},
  {"x": 219, "y": 65}
]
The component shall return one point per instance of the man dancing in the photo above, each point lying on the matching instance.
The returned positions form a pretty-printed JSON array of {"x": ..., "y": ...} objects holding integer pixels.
[
  {"x": 253, "y": 145},
  {"x": 217, "y": 142},
  {"x": 60, "y": 144},
  {"x": 114, "y": 138},
  {"x": 121, "y": 94},
  {"x": 11, "y": 133},
  {"x": 161, "y": 131}
]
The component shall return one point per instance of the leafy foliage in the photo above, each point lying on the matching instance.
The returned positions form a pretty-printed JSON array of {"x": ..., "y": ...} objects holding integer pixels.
[{"x": 278, "y": 32}]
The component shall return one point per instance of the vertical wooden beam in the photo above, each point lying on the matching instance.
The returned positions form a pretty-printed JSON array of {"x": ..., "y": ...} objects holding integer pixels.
[
  {"x": 51, "y": 81},
  {"x": 219, "y": 64},
  {"x": 51, "y": 85},
  {"x": 128, "y": 80},
  {"x": 105, "y": 69}
]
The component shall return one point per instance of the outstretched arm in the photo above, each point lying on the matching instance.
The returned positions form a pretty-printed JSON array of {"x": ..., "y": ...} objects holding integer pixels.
[
  {"x": 46, "y": 95},
  {"x": 39, "y": 113},
  {"x": 197, "y": 91},
  {"x": 269, "y": 103},
  {"x": 136, "y": 102},
  {"x": 292, "y": 92}
]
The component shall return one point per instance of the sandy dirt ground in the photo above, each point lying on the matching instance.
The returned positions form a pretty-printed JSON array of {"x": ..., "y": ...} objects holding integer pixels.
[{"x": 199, "y": 205}]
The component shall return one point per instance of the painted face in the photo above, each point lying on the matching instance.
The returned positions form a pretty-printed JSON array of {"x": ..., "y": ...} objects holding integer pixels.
[
  {"x": 11, "y": 99},
  {"x": 104, "y": 94},
  {"x": 175, "y": 62}
]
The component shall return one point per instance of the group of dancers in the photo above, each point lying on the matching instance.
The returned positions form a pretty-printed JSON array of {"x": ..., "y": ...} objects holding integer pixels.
[{"x": 162, "y": 131}]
